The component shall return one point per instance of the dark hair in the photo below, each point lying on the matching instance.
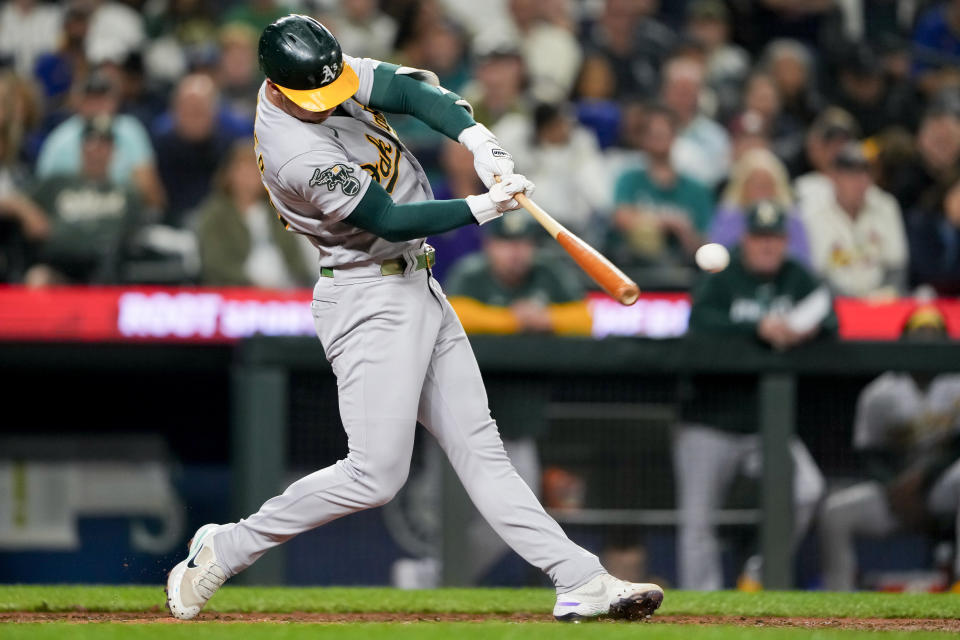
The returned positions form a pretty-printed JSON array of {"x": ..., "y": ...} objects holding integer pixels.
[{"x": 545, "y": 113}]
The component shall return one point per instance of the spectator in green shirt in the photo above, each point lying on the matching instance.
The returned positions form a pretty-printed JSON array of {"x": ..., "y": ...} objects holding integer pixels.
[
  {"x": 762, "y": 295},
  {"x": 661, "y": 214},
  {"x": 512, "y": 287},
  {"x": 92, "y": 218}
]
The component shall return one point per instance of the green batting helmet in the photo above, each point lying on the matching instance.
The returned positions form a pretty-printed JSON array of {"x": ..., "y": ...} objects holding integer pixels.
[{"x": 303, "y": 59}]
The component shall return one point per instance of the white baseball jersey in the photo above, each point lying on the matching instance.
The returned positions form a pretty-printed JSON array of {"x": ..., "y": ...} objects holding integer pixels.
[
  {"x": 893, "y": 402},
  {"x": 317, "y": 173}
]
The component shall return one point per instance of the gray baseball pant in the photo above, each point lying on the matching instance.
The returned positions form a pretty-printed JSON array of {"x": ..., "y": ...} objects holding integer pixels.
[
  {"x": 706, "y": 460},
  {"x": 400, "y": 355},
  {"x": 863, "y": 510}
]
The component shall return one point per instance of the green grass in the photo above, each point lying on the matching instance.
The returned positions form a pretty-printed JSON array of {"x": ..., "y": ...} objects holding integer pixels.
[
  {"x": 345, "y": 600},
  {"x": 438, "y": 631}
]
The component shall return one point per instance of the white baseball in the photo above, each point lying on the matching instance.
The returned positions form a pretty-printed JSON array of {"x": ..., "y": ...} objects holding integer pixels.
[{"x": 712, "y": 257}]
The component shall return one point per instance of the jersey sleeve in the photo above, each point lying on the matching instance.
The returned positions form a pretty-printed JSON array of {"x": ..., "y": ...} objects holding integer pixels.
[
  {"x": 364, "y": 68},
  {"x": 328, "y": 183}
]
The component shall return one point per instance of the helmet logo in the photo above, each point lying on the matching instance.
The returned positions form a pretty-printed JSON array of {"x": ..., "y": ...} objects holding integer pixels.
[
  {"x": 339, "y": 175},
  {"x": 330, "y": 72}
]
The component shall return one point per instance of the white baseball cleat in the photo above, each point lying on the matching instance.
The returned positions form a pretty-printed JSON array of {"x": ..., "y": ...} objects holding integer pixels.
[
  {"x": 610, "y": 597},
  {"x": 194, "y": 581}
]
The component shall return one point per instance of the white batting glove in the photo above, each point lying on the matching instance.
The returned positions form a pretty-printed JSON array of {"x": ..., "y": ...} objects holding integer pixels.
[
  {"x": 499, "y": 199},
  {"x": 489, "y": 158}
]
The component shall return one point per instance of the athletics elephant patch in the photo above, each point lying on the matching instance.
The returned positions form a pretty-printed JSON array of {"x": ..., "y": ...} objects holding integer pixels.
[{"x": 339, "y": 175}]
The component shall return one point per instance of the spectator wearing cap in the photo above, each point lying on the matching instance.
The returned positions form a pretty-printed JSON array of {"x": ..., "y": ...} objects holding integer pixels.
[
  {"x": 761, "y": 296},
  {"x": 240, "y": 241},
  {"x": 564, "y": 159},
  {"x": 708, "y": 22},
  {"x": 512, "y": 287},
  {"x": 661, "y": 213},
  {"x": 920, "y": 180},
  {"x": 756, "y": 177},
  {"x": 828, "y": 134},
  {"x": 92, "y": 216},
  {"x": 132, "y": 161},
  {"x": 936, "y": 48},
  {"x": 934, "y": 236},
  {"x": 702, "y": 150},
  {"x": 863, "y": 91},
  {"x": 189, "y": 152},
  {"x": 857, "y": 238},
  {"x": 28, "y": 29}
]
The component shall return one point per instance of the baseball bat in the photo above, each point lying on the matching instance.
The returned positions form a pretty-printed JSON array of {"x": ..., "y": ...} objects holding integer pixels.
[{"x": 615, "y": 282}]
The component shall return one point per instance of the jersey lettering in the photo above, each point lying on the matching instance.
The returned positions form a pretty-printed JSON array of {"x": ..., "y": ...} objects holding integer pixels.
[
  {"x": 378, "y": 118},
  {"x": 387, "y": 168}
]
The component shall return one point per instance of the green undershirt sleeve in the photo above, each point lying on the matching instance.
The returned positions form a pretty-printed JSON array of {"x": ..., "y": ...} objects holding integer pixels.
[
  {"x": 379, "y": 214},
  {"x": 397, "y": 93}
]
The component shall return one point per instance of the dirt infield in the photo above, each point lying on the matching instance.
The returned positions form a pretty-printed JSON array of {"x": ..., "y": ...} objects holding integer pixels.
[{"x": 161, "y": 616}]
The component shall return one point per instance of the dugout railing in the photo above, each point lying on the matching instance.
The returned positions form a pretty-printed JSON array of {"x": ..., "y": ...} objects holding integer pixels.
[{"x": 266, "y": 371}]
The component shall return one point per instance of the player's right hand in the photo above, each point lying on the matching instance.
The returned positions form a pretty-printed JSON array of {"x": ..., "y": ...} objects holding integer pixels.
[
  {"x": 489, "y": 158},
  {"x": 499, "y": 199}
]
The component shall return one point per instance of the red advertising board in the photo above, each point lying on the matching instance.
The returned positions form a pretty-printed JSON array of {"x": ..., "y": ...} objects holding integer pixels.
[{"x": 224, "y": 315}]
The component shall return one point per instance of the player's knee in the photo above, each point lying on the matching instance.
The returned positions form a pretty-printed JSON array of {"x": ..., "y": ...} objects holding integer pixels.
[
  {"x": 811, "y": 491},
  {"x": 386, "y": 484}
]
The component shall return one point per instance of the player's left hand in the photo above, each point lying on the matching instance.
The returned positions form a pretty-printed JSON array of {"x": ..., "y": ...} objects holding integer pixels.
[
  {"x": 499, "y": 199},
  {"x": 502, "y": 192},
  {"x": 489, "y": 158}
]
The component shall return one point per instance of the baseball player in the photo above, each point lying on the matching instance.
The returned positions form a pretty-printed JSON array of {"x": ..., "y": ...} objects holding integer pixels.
[
  {"x": 337, "y": 173},
  {"x": 762, "y": 295},
  {"x": 908, "y": 429}
]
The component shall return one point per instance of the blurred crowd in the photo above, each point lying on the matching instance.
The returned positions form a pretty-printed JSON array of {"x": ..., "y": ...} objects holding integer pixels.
[{"x": 649, "y": 127}]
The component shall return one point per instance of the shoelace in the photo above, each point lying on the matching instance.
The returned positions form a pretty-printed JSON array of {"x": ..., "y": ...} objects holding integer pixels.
[{"x": 210, "y": 579}]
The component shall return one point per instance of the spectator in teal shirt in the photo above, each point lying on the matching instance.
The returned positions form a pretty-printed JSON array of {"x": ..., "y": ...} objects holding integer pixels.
[{"x": 661, "y": 215}]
